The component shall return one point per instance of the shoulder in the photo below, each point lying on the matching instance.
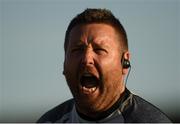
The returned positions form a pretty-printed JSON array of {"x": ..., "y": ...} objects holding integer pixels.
[
  {"x": 141, "y": 110},
  {"x": 56, "y": 113}
]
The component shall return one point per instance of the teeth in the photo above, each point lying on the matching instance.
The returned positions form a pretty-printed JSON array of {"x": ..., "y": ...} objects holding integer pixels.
[{"x": 89, "y": 90}]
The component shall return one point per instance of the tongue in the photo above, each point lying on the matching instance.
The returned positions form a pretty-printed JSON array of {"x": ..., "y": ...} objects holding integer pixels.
[{"x": 89, "y": 82}]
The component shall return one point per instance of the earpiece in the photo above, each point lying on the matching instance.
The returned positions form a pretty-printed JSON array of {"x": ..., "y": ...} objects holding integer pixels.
[{"x": 126, "y": 63}]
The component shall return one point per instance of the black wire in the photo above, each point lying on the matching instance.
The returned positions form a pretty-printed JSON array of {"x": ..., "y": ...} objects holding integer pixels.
[{"x": 127, "y": 75}]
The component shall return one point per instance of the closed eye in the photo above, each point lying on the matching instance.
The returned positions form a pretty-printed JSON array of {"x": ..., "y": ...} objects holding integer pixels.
[
  {"x": 100, "y": 50},
  {"x": 77, "y": 49}
]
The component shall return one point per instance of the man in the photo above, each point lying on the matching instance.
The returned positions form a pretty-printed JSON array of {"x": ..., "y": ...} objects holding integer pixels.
[{"x": 96, "y": 62}]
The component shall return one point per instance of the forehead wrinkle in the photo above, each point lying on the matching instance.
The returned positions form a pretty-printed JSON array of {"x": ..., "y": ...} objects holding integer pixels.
[{"x": 102, "y": 41}]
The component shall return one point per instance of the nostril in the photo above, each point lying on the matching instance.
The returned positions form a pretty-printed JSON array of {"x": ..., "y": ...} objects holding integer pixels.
[{"x": 88, "y": 62}]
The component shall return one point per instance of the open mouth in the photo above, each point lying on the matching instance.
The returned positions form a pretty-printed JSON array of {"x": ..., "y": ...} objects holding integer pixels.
[{"x": 89, "y": 83}]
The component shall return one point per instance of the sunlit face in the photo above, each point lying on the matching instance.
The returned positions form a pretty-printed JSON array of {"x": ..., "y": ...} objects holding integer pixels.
[{"x": 93, "y": 67}]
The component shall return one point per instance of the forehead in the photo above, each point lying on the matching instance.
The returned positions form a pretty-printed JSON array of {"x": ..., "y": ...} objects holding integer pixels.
[{"x": 93, "y": 32}]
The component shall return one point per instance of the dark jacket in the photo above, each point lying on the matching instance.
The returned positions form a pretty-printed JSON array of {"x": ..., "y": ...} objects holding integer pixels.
[{"x": 131, "y": 108}]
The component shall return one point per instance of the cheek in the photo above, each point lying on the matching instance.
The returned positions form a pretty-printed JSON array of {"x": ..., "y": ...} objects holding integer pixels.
[
  {"x": 113, "y": 74},
  {"x": 70, "y": 74},
  {"x": 111, "y": 69},
  {"x": 71, "y": 62},
  {"x": 113, "y": 81},
  {"x": 71, "y": 65},
  {"x": 111, "y": 63}
]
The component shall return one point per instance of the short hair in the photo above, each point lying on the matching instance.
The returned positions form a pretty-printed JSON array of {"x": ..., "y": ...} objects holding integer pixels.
[{"x": 90, "y": 16}]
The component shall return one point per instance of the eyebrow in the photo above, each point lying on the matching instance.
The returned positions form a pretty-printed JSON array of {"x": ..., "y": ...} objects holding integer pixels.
[{"x": 77, "y": 43}]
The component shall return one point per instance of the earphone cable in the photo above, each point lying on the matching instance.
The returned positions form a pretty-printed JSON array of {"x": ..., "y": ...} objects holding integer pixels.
[{"x": 127, "y": 75}]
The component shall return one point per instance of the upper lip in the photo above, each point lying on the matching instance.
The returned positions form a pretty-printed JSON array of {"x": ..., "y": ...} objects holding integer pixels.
[
  {"x": 85, "y": 75},
  {"x": 88, "y": 74}
]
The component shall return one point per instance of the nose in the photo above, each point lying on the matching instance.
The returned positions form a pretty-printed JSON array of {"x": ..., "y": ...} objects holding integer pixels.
[{"x": 87, "y": 58}]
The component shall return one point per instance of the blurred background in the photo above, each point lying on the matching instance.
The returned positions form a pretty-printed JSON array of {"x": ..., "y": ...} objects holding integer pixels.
[{"x": 31, "y": 53}]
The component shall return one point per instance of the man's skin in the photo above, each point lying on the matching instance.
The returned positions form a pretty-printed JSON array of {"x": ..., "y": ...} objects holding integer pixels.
[{"x": 93, "y": 67}]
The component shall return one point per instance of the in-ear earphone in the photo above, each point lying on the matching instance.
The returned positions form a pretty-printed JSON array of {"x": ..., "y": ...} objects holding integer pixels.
[{"x": 126, "y": 63}]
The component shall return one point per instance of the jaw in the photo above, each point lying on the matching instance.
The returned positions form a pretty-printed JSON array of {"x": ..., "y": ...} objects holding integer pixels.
[
  {"x": 94, "y": 104},
  {"x": 88, "y": 98},
  {"x": 93, "y": 98}
]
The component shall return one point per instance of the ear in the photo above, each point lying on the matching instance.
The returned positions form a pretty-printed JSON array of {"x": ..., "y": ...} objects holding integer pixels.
[
  {"x": 63, "y": 72},
  {"x": 64, "y": 68},
  {"x": 126, "y": 56}
]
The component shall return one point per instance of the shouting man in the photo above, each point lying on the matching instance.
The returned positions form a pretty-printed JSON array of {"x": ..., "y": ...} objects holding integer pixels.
[{"x": 96, "y": 61}]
